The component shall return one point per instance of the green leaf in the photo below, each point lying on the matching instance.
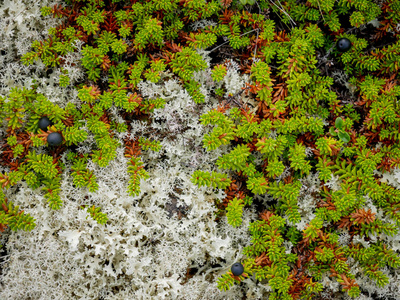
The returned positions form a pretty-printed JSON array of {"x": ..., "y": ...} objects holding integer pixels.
[
  {"x": 344, "y": 136},
  {"x": 332, "y": 131},
  {"x": 339, "y": 123}
]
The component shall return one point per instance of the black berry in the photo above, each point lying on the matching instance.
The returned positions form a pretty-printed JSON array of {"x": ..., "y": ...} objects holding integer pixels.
[
  {"x": 54, "y": 139},
  {"x": 237, "y": 269},
  {"x": 44, "y": 122},
  {"x": 343, "y": 44}
]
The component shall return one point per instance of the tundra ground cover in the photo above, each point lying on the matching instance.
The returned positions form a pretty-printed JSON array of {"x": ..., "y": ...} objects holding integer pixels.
[{"x": 196, "y": 134}]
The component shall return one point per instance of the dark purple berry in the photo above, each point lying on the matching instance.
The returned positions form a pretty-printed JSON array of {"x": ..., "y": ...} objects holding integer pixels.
[
  {"x": 44, "y": 122},
  {"x": 343, "y": 44},
  {"x": 54, "y": 139},
  {"x": 237, "y": 269}
]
